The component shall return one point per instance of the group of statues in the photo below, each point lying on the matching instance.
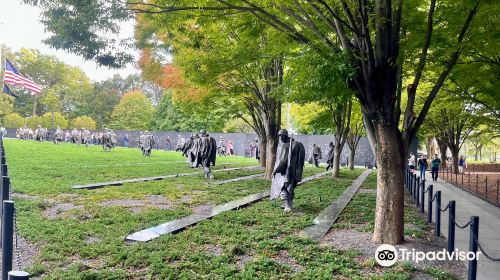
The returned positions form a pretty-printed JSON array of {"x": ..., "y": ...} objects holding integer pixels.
[
  {"x": 106, "y": 138},
  {"x": 200, "y": 150},
  {"x": 316, "y": 155},
  {"x": 26, "y": 133}
]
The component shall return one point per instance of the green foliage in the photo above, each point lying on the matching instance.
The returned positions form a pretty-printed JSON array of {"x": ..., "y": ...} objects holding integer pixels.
[
  {"x": 13, "y": 120},
  {"x": 59, "y": 120},
  {"x": 134, "y": 112},
  {"x": 83, "y": 122},
  {"x": 33, "y": 122},
  {"x": 171, "y": 117},
  {"x": 6, "y": 105},
  {"x": 312, "y": 118}
]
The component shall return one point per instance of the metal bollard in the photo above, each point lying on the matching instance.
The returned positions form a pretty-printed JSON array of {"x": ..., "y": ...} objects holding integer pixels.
[
  {"x": 474, "y": 231},
  {"x": 438, "y": 213},
  {"x": 417, "y": 191},
  {"x": 4, "y": 161},
  {"x": 19, "y": 275},
  {"x": 451, "y": 226},
  {"x": 429, "y": 204},
  {"x": 411, "y": 184},
  {"x": 8, "y": 237},
  {"x": 422, "y": 197},
  {"x": 4, "y": 195},
  {"x": 4, "y": 192},
  {"x": 5, "y": 170}
]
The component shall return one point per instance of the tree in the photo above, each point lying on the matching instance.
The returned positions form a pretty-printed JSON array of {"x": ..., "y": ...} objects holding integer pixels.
[
  {"x": 134, "y": 112},
  {"x": 311, "y": 79},
  {"x": 53, "y": 120},
  {"x": 6, "y": 105},
  {"x": 230, "y": 69},
  {"x": 169, "y": 116},
  {"x": 83, "y": 122},
  {"x": 453, "y": 122},
  {"x": 33, "y": 122},
  {"x": 355, "y": 133},
  {"x": 13, "y": 120},
  {"x": 377, "y": 37}
]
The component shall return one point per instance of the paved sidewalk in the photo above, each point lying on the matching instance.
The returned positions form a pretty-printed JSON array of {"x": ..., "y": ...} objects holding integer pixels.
[{"x": 468, "y": 205}]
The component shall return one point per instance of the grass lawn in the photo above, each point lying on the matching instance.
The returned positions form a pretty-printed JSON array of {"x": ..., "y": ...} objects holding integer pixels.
[{"x": 80, "y": 233}]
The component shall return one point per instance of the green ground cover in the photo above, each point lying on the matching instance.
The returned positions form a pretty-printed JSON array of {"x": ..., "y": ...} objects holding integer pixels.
[{"x": 80, "y": 233}]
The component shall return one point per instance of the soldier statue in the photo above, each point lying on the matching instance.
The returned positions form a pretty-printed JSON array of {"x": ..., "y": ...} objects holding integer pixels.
[
  {"x": 329, "y": 157},
  {"x": 146, "y": 143},
  {"x": 207, "y": 153},
  {"x": 289, "y": 166},
  {"x": 316, "y": 155},
  {"x": 58, "y": 135},
  {"x": 108, "y": 139}
]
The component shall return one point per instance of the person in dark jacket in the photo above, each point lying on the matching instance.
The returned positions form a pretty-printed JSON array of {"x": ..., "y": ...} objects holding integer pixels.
[
  {"x": 422, "y": 165},
  {"x": 289, "y": 165}
]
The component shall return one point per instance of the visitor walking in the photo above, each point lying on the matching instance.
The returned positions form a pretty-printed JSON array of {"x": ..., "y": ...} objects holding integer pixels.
[
  {"x": 422, "y": 165},
  {"x": 125, "y": 140},
  {"x": 461, "y": 163},
  {"x": 435, "y": 163},
  {"x": 411, "y": 162},
  {"x": 168, "y": 144}
]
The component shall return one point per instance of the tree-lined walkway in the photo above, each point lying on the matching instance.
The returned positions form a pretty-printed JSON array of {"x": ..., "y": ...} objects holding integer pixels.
[{"x": 468, "y": 205}]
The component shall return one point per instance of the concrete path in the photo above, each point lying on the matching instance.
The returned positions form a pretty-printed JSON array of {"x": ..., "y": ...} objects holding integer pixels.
[
  {"x": 327, "y": 217},
  {"x": 179, "y": 224},
  {"x": 156, "y": 178},
  {"x": 468, "y": 205}
]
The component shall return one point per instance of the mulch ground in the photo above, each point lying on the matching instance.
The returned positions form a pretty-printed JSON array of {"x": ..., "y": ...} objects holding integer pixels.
[{"x": 484, "y": 185}]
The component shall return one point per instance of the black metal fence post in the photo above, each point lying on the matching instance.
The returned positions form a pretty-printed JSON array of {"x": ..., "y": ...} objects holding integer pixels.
[
  {"x": 451, "y": 226},
  {"x": 422, "y": 196},
  {"x": 429, "y": 204},
  {"x": 8, "y": 237},
  {"x": 417, "y": 191},
  {"x": 474, "y": 236},
  {"x": 4, "y": 196},
  {"x": 438, "y": 213}
]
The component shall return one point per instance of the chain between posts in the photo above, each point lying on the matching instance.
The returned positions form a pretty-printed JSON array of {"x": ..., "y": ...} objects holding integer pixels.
[
  {"x": 444, "y": 210},
  {"x": 16, "y": 240},
  {"x": 493, "y": 259},
  {"x": 434, "y": 197},
  {"x": 458, "y": 225},
  {"x": 426, "y": 191}
]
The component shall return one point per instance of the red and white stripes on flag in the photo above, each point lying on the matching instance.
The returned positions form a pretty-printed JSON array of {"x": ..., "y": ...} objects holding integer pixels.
[{"x": 13, "y": 77}]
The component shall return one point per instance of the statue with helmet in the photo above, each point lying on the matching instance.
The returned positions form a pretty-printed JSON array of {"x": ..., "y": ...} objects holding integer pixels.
[{"x": 288, "y": 168}]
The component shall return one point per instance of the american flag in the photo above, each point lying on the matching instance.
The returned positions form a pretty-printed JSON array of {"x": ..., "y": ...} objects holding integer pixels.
[{"x": 13, "y": 77}]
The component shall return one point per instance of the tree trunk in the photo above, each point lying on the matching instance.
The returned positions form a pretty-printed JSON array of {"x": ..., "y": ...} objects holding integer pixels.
[
  {"x": 351, "y": 159},
  {"x": 34, "y": 105},
  {"x": 442, "y": 150},
  {"x": 476, "y": 154},
  {"x": 336, "y": 161},
  {"x": 454, "y": 155},
  {"x": 263, "y": 151},
  {"x": 481, "y": 152},
  {"x": 390, "y": 156},
  {"x": 272, "y": 145}
]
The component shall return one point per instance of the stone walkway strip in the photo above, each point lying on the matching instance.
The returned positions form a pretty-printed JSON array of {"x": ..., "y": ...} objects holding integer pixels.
[
  {"x": 327, "y": 217},
  {"x": 146, "y": 179},
  {"x": 179, "y": 224}
]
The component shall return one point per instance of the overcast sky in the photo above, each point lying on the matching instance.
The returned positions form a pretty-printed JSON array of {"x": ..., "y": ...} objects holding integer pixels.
[{"x": 20, "y": 28}]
